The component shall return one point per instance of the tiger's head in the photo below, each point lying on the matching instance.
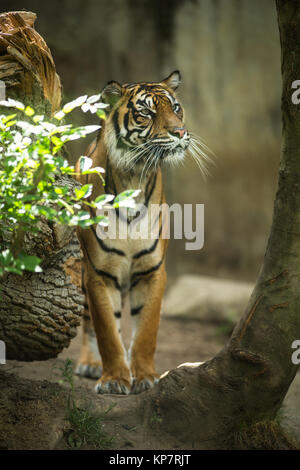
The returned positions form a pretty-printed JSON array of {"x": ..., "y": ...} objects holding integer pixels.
[{"x": 145, "y": 123}]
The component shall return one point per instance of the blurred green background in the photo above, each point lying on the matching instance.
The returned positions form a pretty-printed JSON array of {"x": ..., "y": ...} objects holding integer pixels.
[{"x": 228, "y": 52}]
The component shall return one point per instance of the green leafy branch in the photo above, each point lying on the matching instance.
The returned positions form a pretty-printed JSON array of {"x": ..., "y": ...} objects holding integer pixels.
[{"x": 31, "y": 166}]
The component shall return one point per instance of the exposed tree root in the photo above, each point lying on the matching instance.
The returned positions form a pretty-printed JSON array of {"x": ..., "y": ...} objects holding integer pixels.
[{"x": 263, "y": 435}]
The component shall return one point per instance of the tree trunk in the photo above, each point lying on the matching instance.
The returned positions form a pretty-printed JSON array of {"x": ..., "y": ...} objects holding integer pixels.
[
  {"x": 26, "y": 63},
  {"x": 232, "y": 400},
  {"x": 38, "y": 312}
]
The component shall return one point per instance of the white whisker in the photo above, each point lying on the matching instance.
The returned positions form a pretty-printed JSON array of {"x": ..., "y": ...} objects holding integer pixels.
[{"x": 201, "y": 154}]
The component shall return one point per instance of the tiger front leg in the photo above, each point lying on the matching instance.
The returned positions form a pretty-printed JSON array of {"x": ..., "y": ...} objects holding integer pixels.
[
  {"x": 105, "y": 307},
  {"x": 89, "y": 363},
  {"x": 145, "y": 298}
]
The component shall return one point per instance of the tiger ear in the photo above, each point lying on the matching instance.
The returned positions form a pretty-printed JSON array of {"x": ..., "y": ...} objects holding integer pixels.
[
  {"x": 173, "y": 80},
  {"x": 111, "y": 93}
]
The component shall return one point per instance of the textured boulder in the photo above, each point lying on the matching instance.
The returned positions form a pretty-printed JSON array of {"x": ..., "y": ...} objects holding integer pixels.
[{"x": 207, "y": 298}]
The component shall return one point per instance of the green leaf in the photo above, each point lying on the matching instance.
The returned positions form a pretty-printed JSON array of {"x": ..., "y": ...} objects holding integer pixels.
[
  {"x": 29, "y": 111},
  {"x": 101, "y": 220},
  {"x": 59, "y": 115},
  {"x": 101, "y": 114},
  {"x": 6, "y": 257},
  {"x": 126, "y": 198},
  {"x": 38, "y": 118},
  {"x": 85, "y": 107},
  {"x": 47, "y": 212},
  {"x": 10, "y": 103},
  {"x": 11, "y": 123},
  {"x": 28, "y": 262},
  {"x": 94, "y": 171},
  {"x": 68, "y": 107},
  {"x": 56, "y": 141},
  {"x": 61, "y": 190},
  {"x": 78, "y": 132},
  {"x": 85, "y": 163},
  {"x": 61, "y": 129},
  {"x": 13, "y": 270},
  {"x": 89, "y": 129},
  {"x": 103, "y": 199},
  {"x": 84, "y": 192},
  {"x": 84, "y": 219},
  {"x": 93, "y": 108},
  {"x": 5, "y": 119},
  {"x": 92, "y": 99}
]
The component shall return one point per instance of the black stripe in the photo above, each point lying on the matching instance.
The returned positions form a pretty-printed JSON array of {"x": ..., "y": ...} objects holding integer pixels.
[
  {"x": 105, "y": 247},
  {"x": 86, "y": 305},
  {"x": 100, "y": 272},
  {"x": 118, "y": 315},
  {"x": 140, "y": 88},
  {"x": 108, "y": 275},
  {"x": 146, "y": 251},
  {"x": 148, "y": 196},
  {"x": 108, "y": 177},
  {"x": 146, "y": 202},
  {"x": 101, "y": 242},
  {"x": 82, "y": 281},
  {"x": 152, "y": 248},
  {"x": 144, "y": 273},
  {"x": 115, "y": 122},
  {"x": 126, "y": 120},
  {"x": 136, "y": 310}
]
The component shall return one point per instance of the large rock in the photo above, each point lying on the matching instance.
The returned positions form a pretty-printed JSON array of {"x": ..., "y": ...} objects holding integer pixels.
[{"x": 207, "y": 298}]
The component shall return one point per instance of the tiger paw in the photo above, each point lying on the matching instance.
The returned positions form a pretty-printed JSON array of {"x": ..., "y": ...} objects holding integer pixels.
[
  {"x": 91, "y": 370},
  {"x": 113, "y": 385},
  {"x": 140, "y": 385}
]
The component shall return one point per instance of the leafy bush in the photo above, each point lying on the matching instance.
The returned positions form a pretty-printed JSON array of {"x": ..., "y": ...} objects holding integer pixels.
[{"x": 31, "y": 164}]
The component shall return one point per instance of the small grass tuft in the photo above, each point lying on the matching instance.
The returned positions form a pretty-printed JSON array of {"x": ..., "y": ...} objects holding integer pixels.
[{"x": 83, "y": 427}]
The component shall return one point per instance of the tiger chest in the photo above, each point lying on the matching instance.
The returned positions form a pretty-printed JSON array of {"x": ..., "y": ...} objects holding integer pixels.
[{"x": 128, "y": 254}]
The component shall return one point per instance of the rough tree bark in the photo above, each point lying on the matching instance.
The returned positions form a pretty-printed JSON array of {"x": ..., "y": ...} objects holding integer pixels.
[
  {"x": 38, "y": 312},
  {"x": 232, "y": 400}
]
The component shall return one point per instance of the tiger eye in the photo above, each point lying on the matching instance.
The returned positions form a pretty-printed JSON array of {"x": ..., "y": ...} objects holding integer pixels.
[
  {"x": 145, "y": 112},
  {"x": 176, "y": 108}
]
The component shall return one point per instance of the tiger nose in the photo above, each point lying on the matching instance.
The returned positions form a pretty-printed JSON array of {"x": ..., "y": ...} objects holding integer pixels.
[{"x": 178, "y": 131}]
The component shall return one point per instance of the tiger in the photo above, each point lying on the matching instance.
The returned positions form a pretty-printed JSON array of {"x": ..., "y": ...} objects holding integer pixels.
[{"x": 143, "y": 130}]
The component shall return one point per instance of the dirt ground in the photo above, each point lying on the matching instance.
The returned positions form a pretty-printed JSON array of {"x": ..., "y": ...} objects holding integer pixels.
[
  {"x": 178, "y": 341},
  {"x": 32, "y": 413}
]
